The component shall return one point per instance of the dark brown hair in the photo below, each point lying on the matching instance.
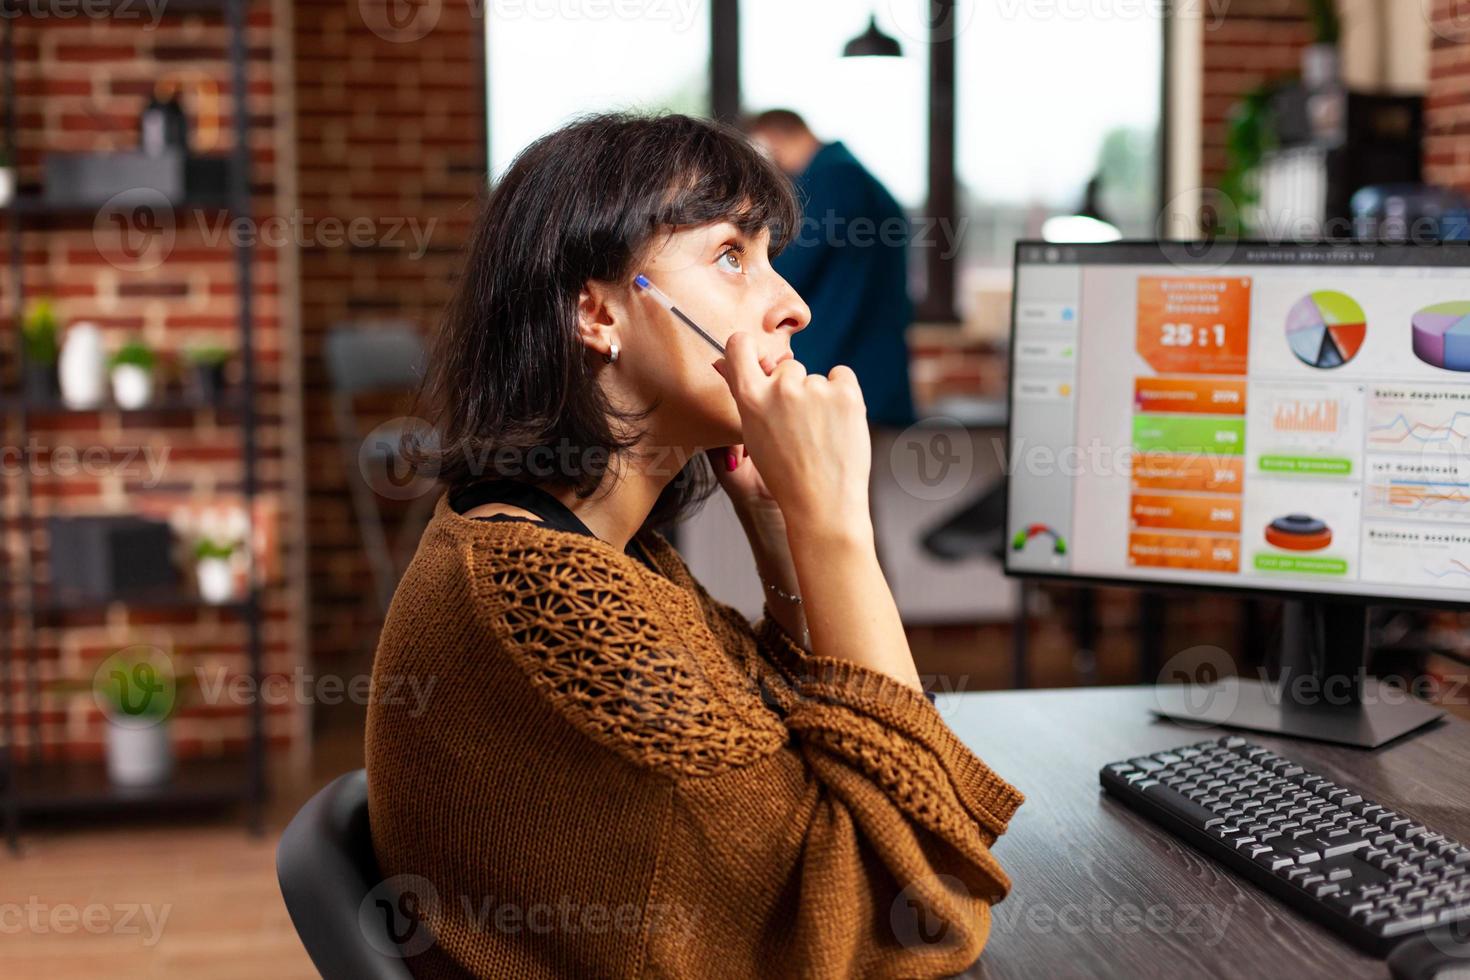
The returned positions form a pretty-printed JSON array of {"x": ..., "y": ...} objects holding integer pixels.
[{"x": 509, "y": 383}]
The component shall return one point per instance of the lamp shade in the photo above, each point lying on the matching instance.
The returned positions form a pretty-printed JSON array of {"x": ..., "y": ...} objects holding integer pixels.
[{"x": 872, "y": 43}]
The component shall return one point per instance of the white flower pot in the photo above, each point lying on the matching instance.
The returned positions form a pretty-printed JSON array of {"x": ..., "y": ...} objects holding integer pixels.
[
  {"x": 82, "y": 367},
  {"x": 132, "y": 386},
  {"x": 139, "y": 756},
  {"x": 7, "y": 185},
  {"x": 216, "y": 580}
]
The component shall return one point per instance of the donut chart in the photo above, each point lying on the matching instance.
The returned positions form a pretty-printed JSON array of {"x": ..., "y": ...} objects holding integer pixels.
[
  {"x": 1442, "y": 335},
  {"x": 1298, "y": 532},
  {"x": 1326, "y": 329}
]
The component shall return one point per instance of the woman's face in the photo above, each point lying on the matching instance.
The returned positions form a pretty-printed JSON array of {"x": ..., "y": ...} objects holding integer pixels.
[{"x": 723, "y": 280}]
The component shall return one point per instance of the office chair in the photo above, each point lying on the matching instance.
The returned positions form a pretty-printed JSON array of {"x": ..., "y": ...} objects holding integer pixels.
[
  {"x": 326, "y": 868},
  {"x": 379, "y": 358}
]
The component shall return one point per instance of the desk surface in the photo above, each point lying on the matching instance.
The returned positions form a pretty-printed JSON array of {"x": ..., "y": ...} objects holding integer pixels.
[{"x": 1100, "y": 892}]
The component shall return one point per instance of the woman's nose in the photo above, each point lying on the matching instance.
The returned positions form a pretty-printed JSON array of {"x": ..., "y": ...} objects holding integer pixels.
[{"x": 788, "y": 310}]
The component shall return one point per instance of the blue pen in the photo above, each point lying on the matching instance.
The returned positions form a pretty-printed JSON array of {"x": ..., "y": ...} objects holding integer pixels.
[{"x": 641, "y": 281}]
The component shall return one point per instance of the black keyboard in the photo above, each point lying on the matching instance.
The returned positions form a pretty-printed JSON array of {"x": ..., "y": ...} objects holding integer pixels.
[{"x": 1372, "y": 875}]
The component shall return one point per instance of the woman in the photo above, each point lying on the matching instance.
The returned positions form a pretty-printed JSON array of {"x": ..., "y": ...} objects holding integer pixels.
[{"x": 617, "y": 775}]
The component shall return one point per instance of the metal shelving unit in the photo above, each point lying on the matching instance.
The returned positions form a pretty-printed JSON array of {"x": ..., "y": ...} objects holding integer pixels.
[{"x": 29, "y": 786}]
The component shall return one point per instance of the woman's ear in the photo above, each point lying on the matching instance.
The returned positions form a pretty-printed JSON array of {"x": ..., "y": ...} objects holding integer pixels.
[{"x": 596, "y": 320}]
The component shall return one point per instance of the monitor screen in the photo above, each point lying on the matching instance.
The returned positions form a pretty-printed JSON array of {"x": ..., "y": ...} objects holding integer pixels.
[{"x": 1259, "y": 416}]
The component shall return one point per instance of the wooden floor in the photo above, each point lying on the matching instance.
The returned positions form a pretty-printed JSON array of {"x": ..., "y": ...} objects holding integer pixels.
[{"x": 196, "y": 901}]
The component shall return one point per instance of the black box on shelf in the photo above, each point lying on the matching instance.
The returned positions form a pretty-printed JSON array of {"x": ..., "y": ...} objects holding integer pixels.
[
  {"x": 110, "y": 556},
  {"x": 94, "y": 179}
]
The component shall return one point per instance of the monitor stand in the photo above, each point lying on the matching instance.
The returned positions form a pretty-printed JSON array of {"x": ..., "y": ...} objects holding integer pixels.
[{"x": 1321, "y": 691}]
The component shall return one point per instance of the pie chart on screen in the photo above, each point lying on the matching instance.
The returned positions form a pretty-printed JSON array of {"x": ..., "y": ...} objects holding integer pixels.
[
  {"x": 1442, "y": 335},
  {"x": 1326, "y": 329}
]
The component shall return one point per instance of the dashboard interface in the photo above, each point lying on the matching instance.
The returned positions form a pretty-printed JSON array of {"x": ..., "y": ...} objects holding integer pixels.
[{"x": 1278, "y": 417}]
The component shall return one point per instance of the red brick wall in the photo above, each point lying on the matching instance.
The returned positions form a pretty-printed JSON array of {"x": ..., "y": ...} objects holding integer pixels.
[
  {"x": 1447, "y": 102},
  {"x": 390, "y": 130},
  {"x": 1255, "y": 41},
  {"x": 81, "y": 82}
]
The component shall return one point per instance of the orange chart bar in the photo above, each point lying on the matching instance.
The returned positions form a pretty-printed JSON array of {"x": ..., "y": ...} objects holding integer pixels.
[
  {"x": 1186, "y": 513},
  {"x": 1189, "y": 325},
  {"x": 1160, "y": 471},
  {"x": 1202, "y": 396},
  {"x": 1193, "y": 551}
]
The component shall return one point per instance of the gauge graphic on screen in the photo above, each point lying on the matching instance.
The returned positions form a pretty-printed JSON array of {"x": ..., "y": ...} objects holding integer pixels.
[
  {"x": 1326, "y": 329},
  {"x": 1024, "y": 536}
]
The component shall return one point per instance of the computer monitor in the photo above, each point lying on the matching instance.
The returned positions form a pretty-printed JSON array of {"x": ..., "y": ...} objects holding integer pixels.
[{"x": 1264, "y": 418}]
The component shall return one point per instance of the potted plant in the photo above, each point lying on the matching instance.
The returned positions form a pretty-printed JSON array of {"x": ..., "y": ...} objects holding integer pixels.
[
  {"x": 214, "y": 569},
  {"x": 7, "y": 179},
  {"x": 132, "y": 374},
  {"x": 137, "y": 691},
  {"x": 38, "y": 341},
  {"x": 207, "y": 364}
]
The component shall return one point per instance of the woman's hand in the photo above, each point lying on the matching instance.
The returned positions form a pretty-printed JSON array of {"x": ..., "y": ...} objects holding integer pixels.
[{"x": 806, "y": 435}]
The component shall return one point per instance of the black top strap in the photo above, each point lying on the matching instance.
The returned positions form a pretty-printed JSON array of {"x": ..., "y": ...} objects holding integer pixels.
[{"x": 553, "y": 512}]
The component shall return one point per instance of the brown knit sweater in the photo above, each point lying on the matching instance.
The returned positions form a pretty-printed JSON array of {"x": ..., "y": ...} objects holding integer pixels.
[{"x": 615, "y": 775}]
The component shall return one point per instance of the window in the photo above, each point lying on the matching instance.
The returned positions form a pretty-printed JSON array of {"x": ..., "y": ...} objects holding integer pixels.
[
  {"x": 1049, "y": 95},
  {"x": 549, "y": 62},
  {"x": 791, "y": 58}
]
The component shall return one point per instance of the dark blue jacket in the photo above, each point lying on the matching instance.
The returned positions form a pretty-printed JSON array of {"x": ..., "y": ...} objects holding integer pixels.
[{"x": 850, "y": 263}]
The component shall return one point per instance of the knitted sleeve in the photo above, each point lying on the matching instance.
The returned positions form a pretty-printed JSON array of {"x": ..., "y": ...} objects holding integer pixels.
[
  {"x": 848, "y": 780},
  {"x": 619, "y": 666}
]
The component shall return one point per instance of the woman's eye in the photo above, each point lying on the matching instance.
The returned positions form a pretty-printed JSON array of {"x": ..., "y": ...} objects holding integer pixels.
[{"x": 732, "y": 258}]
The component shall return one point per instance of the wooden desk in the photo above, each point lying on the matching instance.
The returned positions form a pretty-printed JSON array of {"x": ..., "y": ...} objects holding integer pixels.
[{"x": 1100, "y": 892}]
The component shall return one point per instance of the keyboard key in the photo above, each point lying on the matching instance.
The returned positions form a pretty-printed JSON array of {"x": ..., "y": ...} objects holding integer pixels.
[
  {"x": 1181, "y": 805},
  {"x": 1343, "y": 845},
  {"x": 1407, "y": 924}
]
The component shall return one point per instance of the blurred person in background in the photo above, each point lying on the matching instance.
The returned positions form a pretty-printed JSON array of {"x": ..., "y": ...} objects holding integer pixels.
[{"x": 849, "y": 261}]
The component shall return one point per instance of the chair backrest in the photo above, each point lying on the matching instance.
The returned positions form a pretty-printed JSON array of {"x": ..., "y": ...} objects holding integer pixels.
[
  {"x": 375, "y": 356},
  {"x": 327, "y": 872}
]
